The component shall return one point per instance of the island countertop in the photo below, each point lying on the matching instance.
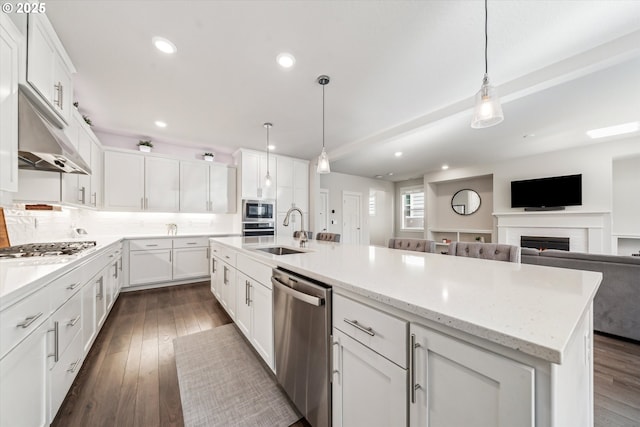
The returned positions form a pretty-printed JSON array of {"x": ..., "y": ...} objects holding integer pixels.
[{"x": 529, "y": 308}]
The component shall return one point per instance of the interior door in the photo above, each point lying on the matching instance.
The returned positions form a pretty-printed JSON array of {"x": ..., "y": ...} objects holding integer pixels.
[
  {"x": 351, "y": 217},
  {"x": 323, "y": 211}
]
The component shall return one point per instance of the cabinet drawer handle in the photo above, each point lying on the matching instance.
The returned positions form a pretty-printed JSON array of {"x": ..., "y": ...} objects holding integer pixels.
[
  {"x": 192, "y": 243},
  {"x": 73, "y": 322},
  {"x": 365, "y": 329},
  {"x": 73, "y": 366},
  {"x": 56, "y": 344},
  {"x": 73, "y": 286},
  {"x": 412, "y": 366},
  {"x": 227, "y": 257},
  {"x": 29, "y": 320},
  {"x": 150, "y": 246}
]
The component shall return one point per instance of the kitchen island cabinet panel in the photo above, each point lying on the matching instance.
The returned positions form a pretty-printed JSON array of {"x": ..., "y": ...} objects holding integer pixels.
[
  {"x": 23, "y": 382},
  {"x": 262, "y": 321},
  {"x": 368, "y": 389},
  {"x": 458, "y": 384}
]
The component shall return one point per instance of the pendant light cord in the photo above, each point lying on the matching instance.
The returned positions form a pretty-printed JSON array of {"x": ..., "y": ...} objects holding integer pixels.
[
  {"x": 486, "y": 39},
  {"x": 323, "y": 116}
]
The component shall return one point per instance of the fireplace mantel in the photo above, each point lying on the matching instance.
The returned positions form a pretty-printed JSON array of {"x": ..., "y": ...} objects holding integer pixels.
[{"x": 588, "y": 231}]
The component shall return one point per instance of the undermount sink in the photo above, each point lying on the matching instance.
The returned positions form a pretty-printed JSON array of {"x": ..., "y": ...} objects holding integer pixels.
[{"x": 280, "y": 250}]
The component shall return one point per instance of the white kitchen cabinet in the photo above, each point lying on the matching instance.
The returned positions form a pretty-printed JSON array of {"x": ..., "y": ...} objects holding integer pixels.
[
  {"x": 228, "y": 289},
  {"x": 254, "y": 169},
  {"x": 23, "y": 382},
  {"x": 49, "y": 68},
  {"x": 206, "y": 187},
  {"x": 101, "y": 298},
  {"x": 262, "y": 321},
  {"x": 136, "y": 182},
  {"x": 190, "y": 262},
  {"x": 150, "y": 266},
  {"x": 90, "y": 305},
  {"x": 243, "y": 310},
  {"x": 368, "y": 389},
  {"x": 76, "y": 188},
  {"x": 95, "y": 198},
  {"x": 222, "y": 189},
  {"x": 123, "y": 181},
  {"x": 301, "y": 185},
  {"x": 162, "y": 184},
  {"x": 215, "y": 276},
  {"x": 460, "y": 384},
  {"x": 11, "y": 44},
  {"x": 194, "y": 187}
]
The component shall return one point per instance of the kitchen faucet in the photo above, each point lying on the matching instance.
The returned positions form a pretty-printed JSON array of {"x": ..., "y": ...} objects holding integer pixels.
[{"x": 303, "y": 234}]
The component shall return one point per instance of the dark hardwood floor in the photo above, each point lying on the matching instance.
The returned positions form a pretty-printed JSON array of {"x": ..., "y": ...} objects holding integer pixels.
[{"x": 129, "y": 377}]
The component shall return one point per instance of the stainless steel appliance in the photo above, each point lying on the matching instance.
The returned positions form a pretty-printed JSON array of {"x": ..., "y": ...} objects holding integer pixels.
[
  {"x": 302, "y": 325},
  {"x": 45, "y": 249},
  {"x": 258, "y": 210},
  {"x": 264, "y": 228}
]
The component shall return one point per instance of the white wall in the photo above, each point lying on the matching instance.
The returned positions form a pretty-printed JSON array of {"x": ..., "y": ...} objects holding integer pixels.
[
  {"x": 376, "y": 230},
  {"x": 626, "y": 196},
  {"x": 190, "y": 152}
]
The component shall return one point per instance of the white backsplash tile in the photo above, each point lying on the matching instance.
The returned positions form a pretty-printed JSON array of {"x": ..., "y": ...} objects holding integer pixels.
[{"x": 43, "y": 226}]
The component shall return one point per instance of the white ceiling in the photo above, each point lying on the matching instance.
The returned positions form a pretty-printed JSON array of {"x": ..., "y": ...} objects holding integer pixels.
[{"x": 403, "y": 74}]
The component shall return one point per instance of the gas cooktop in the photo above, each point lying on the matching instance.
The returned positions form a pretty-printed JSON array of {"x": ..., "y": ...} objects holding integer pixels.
[{"x": 45, "y": 249}]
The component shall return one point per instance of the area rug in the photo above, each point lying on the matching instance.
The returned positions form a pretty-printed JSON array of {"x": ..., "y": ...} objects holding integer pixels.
[{"x": 222, "y": 383}]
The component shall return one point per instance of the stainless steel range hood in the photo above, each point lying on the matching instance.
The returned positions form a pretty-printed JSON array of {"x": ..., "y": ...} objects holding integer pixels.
[{"x": 43, "y": 146}]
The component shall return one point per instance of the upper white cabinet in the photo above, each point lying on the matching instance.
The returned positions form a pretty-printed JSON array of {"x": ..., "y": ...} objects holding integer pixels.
[
  {"x": 292, "y": 190},
  {"x": 254, "y": 169},
  {"x": 11, "y": 42},
  {"x": 123, "y": 181},
  {"x": 162, "y": 184},
  {"x": 135, "y": 182},
  {"x": 49, "y": 68},
  {"x": 206, "y": 187},
  {"x": 78, "y": 189}
]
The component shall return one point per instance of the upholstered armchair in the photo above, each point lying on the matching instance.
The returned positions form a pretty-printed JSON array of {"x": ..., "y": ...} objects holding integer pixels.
[
  {"x": 328, "y": 237},
  {"x": 494, "y": 251},
  {"x": 418, "y": 245}
]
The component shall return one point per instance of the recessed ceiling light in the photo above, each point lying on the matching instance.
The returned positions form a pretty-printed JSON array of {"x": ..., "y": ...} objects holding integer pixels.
[
  {"x": 378, "y": 176},
  {"x": 390, "y": 174},
  {"x": 160, "y": 124},
  {"x": 614, "y": 130},
  {"x": 164, "y": 45},
  {"x": 398, "y": 154},
  {"x": 286, "y": 60},
  {"x": 445, "y": 167},
  {"x": 271, "y": 147}
]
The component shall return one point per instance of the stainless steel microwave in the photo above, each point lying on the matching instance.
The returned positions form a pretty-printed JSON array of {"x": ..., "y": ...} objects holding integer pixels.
[{"x": 258, "y": 210}]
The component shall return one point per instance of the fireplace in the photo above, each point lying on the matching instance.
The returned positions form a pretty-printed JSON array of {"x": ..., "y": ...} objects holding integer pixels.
[{"x": 543, "y": 242}]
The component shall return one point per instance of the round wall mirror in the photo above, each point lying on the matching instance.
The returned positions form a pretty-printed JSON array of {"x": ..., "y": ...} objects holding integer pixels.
[{"x": 465, "y": 202}]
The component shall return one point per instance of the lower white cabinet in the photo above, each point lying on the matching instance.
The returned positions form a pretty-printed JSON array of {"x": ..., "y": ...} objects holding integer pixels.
[
  {"x": 228, "y": 289},
  {"x": 368, "y": 389},
  {"x": 167, "y": 260},
  {"x": 23, "y": 382},
  {"x": 190, "y": 262},
  {"x": 254, "y": 314},
  {"x": 456, "y": 384},
  {"x": 215, "y": 277}
]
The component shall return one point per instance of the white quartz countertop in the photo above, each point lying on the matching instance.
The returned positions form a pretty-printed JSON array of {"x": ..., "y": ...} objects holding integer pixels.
[
  {"x": 529, "y": 308},
  {"x": 22, "y": 276}
]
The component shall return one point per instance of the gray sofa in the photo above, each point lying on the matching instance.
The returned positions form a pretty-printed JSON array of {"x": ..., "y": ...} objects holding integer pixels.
[{"x": 617, "y": 304}]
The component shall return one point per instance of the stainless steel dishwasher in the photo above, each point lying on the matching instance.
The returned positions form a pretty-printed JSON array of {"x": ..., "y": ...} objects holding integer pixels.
[{"x": 302, "y": 324}]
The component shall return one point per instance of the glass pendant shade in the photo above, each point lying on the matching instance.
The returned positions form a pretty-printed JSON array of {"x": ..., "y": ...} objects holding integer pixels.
[
  {"x": 267, "y": 180},
  {"x": 487, "y": 111},
  {"x": 323, "y": 162}
]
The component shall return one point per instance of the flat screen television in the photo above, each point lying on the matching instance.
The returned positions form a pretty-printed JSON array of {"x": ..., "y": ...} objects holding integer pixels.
[{"x": 547, "y": 193}]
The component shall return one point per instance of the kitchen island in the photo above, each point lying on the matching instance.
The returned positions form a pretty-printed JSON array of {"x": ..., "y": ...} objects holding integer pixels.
[{"x": 483, "y": 342}]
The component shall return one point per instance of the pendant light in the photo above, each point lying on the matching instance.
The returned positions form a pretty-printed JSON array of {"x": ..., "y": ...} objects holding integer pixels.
[
  {"x": 487, "y": 111},
  {"x": 267, "y": 177},
  {"x": 323, "y": 159}
]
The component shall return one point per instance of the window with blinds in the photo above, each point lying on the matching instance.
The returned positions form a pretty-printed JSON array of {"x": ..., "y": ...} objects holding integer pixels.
[{"x": 412, "y": 208}]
